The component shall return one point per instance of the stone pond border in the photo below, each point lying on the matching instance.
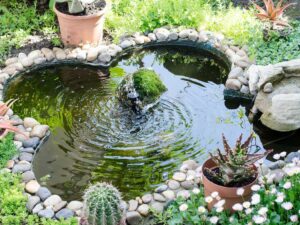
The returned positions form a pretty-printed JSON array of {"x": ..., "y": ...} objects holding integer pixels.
[{"x": 40, "y": 200}]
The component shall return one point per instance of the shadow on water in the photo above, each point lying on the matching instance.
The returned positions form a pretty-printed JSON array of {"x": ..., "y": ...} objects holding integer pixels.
[{"x": 94, "y": 140}]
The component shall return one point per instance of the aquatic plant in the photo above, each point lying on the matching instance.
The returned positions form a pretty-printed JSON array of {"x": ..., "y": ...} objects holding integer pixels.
[
  {"x": 102, "y": 205},
  {"x": 236, "y": 165},
  {"x": 271, "y": 13}
]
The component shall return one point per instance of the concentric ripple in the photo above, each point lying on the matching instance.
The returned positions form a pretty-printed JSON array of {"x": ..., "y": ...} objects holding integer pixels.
[{"x": 94, "y": 138}]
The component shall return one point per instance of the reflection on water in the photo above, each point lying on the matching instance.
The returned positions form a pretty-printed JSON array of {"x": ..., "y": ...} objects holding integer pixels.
[{"x": 93, "y": 139}]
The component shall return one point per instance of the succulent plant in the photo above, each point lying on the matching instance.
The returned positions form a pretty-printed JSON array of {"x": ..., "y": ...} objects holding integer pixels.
[
  {"x": 237, "y": 164},
  {"x": 102, "y": 205},
  {"x": 6, "y": 125},
  {"x": 272, "y": 13},
  {"x": 76, "y": 6}
]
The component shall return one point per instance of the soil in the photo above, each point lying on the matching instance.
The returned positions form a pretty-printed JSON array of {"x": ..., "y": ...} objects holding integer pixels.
[
  {"x": 236, "y": 185},
  {"x": 90, "y": 9}
]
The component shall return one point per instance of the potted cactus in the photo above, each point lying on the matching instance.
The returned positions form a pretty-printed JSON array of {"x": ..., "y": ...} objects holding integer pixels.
[
  {"x": 231, "y": 174},
  {"x": 102, "y": 206},
  {"x": 80, "y": 21}
]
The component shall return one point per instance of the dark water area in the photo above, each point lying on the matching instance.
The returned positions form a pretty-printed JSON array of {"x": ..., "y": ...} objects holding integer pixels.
[{"x": 94, "y": 139}]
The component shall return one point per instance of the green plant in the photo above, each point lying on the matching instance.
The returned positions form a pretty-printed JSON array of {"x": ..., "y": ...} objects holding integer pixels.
[
  {"x": 102, "y": 205},
  {"x": 236, "y": 165},
  {"x": 7, "y": 149},
  {"x": 75, "y": 6},
  {"x": 271, "y": 13}
]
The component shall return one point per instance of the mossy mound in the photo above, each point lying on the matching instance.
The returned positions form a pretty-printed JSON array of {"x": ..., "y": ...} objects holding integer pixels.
[{"x": 148, "y": 85}]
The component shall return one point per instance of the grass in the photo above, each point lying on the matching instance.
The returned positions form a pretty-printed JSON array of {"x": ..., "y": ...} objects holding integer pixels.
[{"x": 7, "y": 149}]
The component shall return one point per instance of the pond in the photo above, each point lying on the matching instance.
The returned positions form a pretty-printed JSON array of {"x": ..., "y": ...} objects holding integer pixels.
[{"x": 93, "y": 140}]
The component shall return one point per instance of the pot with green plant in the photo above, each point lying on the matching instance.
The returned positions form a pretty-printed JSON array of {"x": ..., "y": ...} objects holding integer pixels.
[
  {"x": 80, "y": 21},
  {"x": 230, "y": 175}
]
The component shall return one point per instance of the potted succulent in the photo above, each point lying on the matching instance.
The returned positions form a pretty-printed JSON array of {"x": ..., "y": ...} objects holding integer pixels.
[
  {"x": 80, "y": 21},
  {"x": 231, "y": 175}
]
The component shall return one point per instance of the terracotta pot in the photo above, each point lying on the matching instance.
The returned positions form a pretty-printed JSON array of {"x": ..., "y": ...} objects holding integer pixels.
[
  {"x": 227, "y": 193},
  {"x": 76, "y": 30}
]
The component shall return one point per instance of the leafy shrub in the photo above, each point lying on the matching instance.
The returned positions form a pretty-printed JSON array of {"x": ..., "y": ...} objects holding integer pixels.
[{"x": 7, "y": 149}]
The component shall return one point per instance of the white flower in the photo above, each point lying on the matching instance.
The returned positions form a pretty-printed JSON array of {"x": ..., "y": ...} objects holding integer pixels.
[
  {"x": 214, "y": 219},
  {"x": 183, "y": 207},
  {"x": 240, "y": 191},
  {"x": 248, "y": 211},
  {"x": 255, "y": 187},
  {"x": 287, "y": 185},
  {"x": 201, "y": 209},
  {"x": 196, "y": 191},
  {"x": 219, "y": 209},
  {"x": 262, "y": 211},
  {"x": 282, "y": 154},
  {"x": 280, "y": 197},
  {"x": 218, "y": 198},
  {"x": 214, "y": 194},
  {"x": 237, "y": 207},
  {"x": 231, "y": 219},
  {"x": 287, "y": 205},
  {"x": 246, "y": 205},
  {"x": 255, "y": 199},
  {"x": 220, "y": 203},
  {"x": 208, "y": 199},
  {"x": 273, "y": 191},
  {"x": 294, "y": 218},
  {"x": 276, "y": 156},
  {"x": 258, "y": 219}
]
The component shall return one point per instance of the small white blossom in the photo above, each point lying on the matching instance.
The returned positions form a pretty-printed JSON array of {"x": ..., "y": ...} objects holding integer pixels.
[
  {"x": 255, "y": 199},
  {"x": 231, "y": 219},
  {"x": 208, "y": 199},
  {"x": 262, "y": 211},
  {"x": 282, "y": 154},
  {"x": 214, "y": 194},
  {"x": 214, "y": 219},
  {"x": 240, "y": 191},
  {"x": 248, "y": 211},
  {"x": 276, "y": 156},
  {"x": 220, "y": 203},
  {"x": 246, "y": 205},
  {"x": 201, "y": 209},
  {"x": 255, "y": 187},
  {"x": 280, "y": 197},
  {"x": 258, "y": 219},
  {"x": 287, "y": 205},
  {"x": 273, "y": 191},
  {"x": 183, "y": 207},
  {"x": 287, "y": 185},
  {"x": 237, "y": 207},
  {"x": 294, "y": 218},
  {"x": 196, "y": 191},
  {"x": 220, "y": 209}
]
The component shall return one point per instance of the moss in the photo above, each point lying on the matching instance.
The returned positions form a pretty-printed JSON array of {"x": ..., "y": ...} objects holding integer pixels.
[{"x": 148, "y": 85}]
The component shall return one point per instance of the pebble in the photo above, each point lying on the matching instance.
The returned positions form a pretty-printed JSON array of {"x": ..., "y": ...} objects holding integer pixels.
[
  {"x": 133, "y": 218},
  {"x": 39, "y": 131},
  {"x": 28, "y": 150},
  {"x": 18, "y": 144},
  {"x": 139, "y": 40},
  {"x": 152, "y": 36},
  {"x": 291, "y": 156},
  {"x": 268, "y": 88},
  {"x": 59, "y": 54},
  {"x": 173, "y": 184},
  {"x": 32, "y": 202},
  {"x": 104, "y": 57},
  {"x": 92, "y": 54},
  {"x": 162, "y": 34},
  {"x": 179, "y": 176},
  {"x": 31, "y": 142},
  {"x": 11, "y": 61},
  {"x": 126, "y": 44},
  {"x": 233, "y": 84},
  {"x": 133, "y": 204},
  {"x": 52, "y": 200},
  {"x": 30, "y": 122},
  {"x": 37, "y": 208},
  {"x": 245, "y": 89},
  {"x": 143, "y": 209},
  {"x": 43, "y": 193},
  {"x": 169, "y": 195},
  {"x": 10, "y": 164},
  {"x": 147, "y": 198},
  {"x": 157, "y": 206},
  {"x": 184, "y": 193},
  {"x": 32, "y": 186},
  {"x": 28, "y": 176},
  {"x": 49, "y": 55},
  {"x": 159, "y": 197},
  {"x": 57, "y": 207},
  {"x": 190, "y": 164},
  {"x": 26, "y": 156},
  {"x": 46, "y": 213},
  {"x": 26, "y": 62},
  {"x": 35, "y": 54},
  {"x": 21, "y": 167},
  {"x": 39, "y": 61},
  {"x": 21, "y": 137},
  {"x": 173, "y": 36},
  {"x": 161, "y": 188},
  {"x": 64, "y": 214},
  {"x": 243, "y": 80},
  {"x": 81, "y": 55},
  {"x": 188, "y": 185},
  {"x": 75, "y": 205}
]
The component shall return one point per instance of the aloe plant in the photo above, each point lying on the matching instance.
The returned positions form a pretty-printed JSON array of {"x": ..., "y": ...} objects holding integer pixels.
[
  {"x": 273, "y": 13},
  {"x": 75, "y": 6},
  {"x": 236, "y": 164}
]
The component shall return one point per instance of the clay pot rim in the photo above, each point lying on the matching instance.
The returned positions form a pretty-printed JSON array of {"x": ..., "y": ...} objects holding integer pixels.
[
  {"x": 229, "y": 188},
  {"x": 85, "y": 17}
]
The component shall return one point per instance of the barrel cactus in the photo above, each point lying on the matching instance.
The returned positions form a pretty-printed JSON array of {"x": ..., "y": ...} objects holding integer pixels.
[{"x": 102, "y": 205}]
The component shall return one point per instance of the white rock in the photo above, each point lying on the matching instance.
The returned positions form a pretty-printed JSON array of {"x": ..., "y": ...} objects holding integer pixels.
[
  {"x": 49, "y": 55},
  {"x": 104, "y": 57},
  {"x": 35, "y": 54},
  {"x": 162, "y": 34},
  {"x": 268, "y": 88},
  {"x": 152, "y": 37},
  {"x": 233, "y": 84},
  {"x": 30, "y": 122},
  {"x": 92, "y": 54},
  {"x": 26, "y": 62},
  {"x": 52, "y": 200},
  {"x": 11, "y": 61},
  {"x": 39, "y": 131},
  {"x": 126, "y": 44},
  {"x": 32, "y": 186},
  {"x": 235, "y": 73},
  {"x": 75, "y": 205}
]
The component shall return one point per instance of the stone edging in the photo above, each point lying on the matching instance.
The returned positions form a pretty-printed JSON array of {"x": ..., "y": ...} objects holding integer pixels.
[{"x": 40, "y": 200}]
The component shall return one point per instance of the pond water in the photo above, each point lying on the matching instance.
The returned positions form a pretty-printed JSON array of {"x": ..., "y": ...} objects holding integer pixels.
[{"x": 93, "y": 139}]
